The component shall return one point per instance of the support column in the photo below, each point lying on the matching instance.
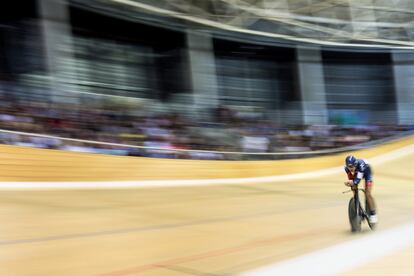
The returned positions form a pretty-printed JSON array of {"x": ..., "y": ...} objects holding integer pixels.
[
  {"x": 312, "y": 86},
  {"x": 57, "y": 40},
  {"x": 403, "y": 69},
  {"x": 202, "y": 70}
]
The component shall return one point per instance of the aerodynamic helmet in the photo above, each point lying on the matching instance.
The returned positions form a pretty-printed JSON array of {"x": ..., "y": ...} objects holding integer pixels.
[{"x": 351, "y": 161}]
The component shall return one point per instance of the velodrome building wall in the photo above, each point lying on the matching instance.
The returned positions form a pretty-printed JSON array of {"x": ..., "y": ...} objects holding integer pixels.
[{"x": 291, "y": 83}]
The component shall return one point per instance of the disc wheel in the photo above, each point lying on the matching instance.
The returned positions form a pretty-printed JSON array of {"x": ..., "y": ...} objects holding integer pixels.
[{"x": 354, "y": 217}]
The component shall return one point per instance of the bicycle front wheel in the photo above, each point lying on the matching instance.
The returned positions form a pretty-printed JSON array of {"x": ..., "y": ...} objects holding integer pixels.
[{"x": 354, "y": 216}]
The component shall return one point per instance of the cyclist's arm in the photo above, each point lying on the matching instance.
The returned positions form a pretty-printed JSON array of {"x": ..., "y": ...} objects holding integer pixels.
[
  {"x": 350, "y": 177},
  {"x": 349, "y": 173},
  {"x": 358, "y": 177},
  {"x": 359, "y": 173}
]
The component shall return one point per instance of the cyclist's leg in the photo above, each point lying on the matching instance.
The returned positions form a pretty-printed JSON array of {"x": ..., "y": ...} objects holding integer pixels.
[
  {"x": 369, "y": 183},
  {"x": 370, "y": 199}
]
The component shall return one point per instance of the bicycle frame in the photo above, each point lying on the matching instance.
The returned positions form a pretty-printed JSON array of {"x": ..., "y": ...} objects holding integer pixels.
[{"x": 360, "y": 212}]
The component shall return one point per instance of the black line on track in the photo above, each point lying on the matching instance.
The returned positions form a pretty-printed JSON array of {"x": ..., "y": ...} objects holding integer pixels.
[
  {"x": 188, "y": 271},
  {"x": 148, "y": 228},
  {"x": 259, "y": 191}
]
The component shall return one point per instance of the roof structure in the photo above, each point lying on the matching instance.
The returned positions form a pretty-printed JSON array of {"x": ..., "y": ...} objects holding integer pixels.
[{"x": 364, "y": 23}]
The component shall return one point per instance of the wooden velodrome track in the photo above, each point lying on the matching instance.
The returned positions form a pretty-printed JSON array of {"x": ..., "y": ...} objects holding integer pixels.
[{"x": 188, "y": 230}]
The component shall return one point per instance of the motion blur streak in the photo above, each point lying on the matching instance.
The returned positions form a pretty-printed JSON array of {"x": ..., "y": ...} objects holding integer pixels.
[
  {"x": 205, "y": 230},
  {"x": 196, "y": 182},
  {"x": 338, "y": 258}
]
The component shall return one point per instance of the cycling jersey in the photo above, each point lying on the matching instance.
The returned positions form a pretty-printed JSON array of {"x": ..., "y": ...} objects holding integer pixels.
[{"x": 362, "y": 170}]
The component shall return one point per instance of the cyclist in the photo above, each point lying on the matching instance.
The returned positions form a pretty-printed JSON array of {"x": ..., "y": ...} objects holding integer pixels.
[{"x": 357, "y": 169}]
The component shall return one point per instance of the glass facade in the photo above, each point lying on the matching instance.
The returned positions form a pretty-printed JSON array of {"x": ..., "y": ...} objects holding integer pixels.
[{"x": 359, "y": 87}]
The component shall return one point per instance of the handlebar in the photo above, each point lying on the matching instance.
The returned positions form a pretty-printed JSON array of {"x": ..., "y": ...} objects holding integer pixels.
[{"x": 350, "y": 190}]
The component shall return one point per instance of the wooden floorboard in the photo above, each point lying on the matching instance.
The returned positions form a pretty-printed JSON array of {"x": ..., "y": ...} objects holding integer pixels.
[{"x": 210, "y": 230}]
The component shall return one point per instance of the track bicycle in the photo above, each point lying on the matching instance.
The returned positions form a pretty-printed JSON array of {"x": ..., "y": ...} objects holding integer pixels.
[{"x": 356, "y": 212}]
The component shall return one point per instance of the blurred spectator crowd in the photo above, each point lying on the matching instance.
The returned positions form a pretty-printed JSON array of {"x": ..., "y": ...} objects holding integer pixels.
[{"x": 169, "y": 135}]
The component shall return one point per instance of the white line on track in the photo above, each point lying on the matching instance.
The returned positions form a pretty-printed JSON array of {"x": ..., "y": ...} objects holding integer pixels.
[
  {"x": 343, "y": 257},
  {"x": 196, "y": 182}
]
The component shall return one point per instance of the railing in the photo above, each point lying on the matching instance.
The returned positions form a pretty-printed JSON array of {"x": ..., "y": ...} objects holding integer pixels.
[{"x": 135, "y": 150}]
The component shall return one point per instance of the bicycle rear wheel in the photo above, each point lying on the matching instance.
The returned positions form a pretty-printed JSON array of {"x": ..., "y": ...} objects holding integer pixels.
[{"x": 354, "y": 216}]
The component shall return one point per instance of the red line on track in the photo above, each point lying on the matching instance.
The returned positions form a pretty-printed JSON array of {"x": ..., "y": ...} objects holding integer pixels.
[{"x": 214, "y": 253}]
